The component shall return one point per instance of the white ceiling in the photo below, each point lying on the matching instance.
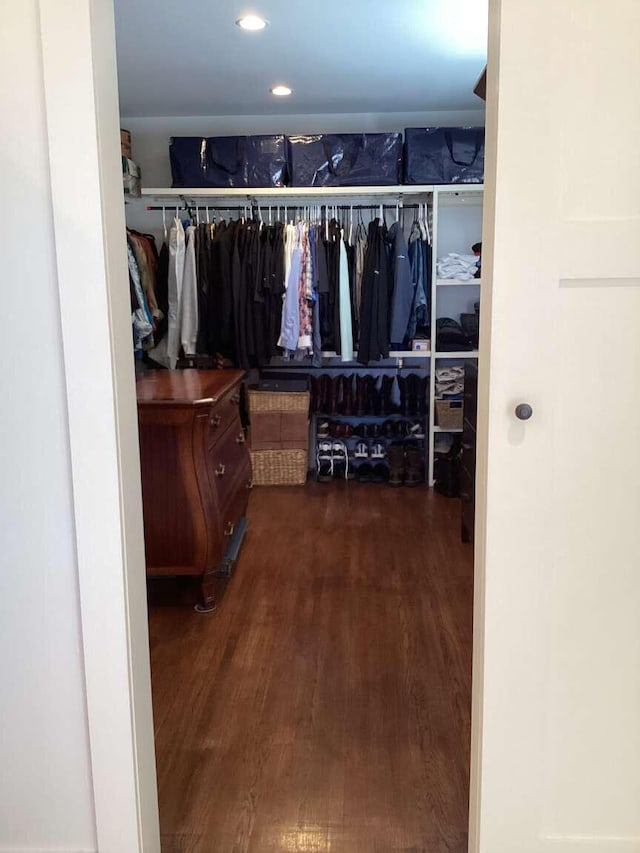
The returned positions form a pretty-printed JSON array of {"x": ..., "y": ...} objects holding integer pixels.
[{"x": 339, "y": 56}]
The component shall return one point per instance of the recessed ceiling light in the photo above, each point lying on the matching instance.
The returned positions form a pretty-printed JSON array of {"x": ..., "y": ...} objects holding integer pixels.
[
  {"x": 281, "y": 91},
  {"x": 252, "y": 23}
]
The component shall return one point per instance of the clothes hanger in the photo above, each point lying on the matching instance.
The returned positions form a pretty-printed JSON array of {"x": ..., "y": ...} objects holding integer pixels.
[{"x": 164, "y": 223}]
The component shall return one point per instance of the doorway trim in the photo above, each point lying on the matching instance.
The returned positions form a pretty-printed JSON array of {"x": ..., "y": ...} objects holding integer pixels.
[{"x": 81, "y": 101}]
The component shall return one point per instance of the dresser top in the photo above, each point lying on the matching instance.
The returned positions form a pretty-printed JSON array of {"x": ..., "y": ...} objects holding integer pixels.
[{"x": 185, "y": 387}]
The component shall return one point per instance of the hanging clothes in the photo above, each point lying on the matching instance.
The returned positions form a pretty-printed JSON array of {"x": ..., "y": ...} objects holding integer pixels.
[
  {"x": 247, "y": 291},
  {"x": 332, "y": 249},
  {"x": 374, "y": 315},
  {"x": 176, "y": 273},
  {"x": 316, "y": 357},
  {"x": 162, "y": 291},
  {"x": 305, "y": 292},
  {"x": 141, "y": 319},
  {"x": 189, "y": 295},
  {"x": 290, "y": 331},
  {"x": 146, "y": 263},
  {"x": 344, "y": 299},
  {"x": 203, "y": 237},
  {"x": 420, "y": 259},
  {"x": 403, "y": 292}
]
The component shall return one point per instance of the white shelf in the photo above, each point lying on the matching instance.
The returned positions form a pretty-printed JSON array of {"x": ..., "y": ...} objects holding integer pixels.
[
  {"x": 455, "y": 282},
  {"x": 444, "y": 429},
  {"x": 469, "y": 354},
  {"x": 287, "y": 192},
  {"x": 392, "y": 354}
]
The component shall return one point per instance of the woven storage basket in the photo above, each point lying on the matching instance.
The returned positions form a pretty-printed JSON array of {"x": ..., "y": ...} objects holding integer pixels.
[
  {"x": 449, "y": 414},
  {"x": 279, "y": 467},
  {"x": 278, "y": 401}
]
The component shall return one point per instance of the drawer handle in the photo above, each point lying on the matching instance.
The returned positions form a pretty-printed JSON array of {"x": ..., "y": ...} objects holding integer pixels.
[
  {"x": 241, "y": 439},
  {"x": 229, "y": 528},
  {"x": 220, "y": 470},
  {"x": 236, "y": 399},
  {"x": 216, "y": 420},
  {"x": 249, "y": 485}
]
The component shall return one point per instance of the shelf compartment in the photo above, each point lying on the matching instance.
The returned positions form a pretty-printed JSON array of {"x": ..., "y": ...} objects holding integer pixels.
[{"x": 455, "y": 282}]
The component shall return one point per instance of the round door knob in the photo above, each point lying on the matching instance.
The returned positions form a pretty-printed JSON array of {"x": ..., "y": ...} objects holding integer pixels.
[{"x": 524, "y": 411}]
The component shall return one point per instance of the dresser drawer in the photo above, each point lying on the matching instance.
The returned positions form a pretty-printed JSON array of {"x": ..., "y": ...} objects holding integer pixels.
[
  {"x": 227, "y": 459},
  {"x": 237, "y": 506},
  {"x": 222, "y": 415}
]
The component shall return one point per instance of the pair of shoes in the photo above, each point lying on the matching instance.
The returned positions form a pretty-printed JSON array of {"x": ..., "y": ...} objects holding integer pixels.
[
  {"x": 368, "y": 430},
  {"x": 406, "y": 464},
  {"x": 335, "y": 429},
  {"x": 375, "y": 450},
  {"x": 367, "y": 473},
  {"x": 340, "y": 430},
  {"x": 413, "y": 394},
  {"x": 402, "y": 429},
  {"x": 332, "y": 461}
]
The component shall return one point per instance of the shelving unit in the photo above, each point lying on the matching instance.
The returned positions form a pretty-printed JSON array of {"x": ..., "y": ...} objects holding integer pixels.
[{"x": 457, "y": 224}]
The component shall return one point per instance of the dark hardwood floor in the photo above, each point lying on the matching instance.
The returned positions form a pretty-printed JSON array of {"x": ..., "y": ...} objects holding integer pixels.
[{"x": 325, "y": 708}]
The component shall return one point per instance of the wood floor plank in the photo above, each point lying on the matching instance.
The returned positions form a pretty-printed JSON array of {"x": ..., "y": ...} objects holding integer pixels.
[{"x": 325, "y": 707}]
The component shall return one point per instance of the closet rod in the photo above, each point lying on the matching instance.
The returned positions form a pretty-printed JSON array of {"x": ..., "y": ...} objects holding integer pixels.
[{"x": 169, "y": 207}]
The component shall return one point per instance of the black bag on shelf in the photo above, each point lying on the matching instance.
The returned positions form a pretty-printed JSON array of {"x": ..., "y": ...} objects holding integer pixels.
[
  {"x": 471, "y": 327},
  {"x": 444, "y": 155},
  {"x": 345, "y": 159},
  {"x": 214, "y": 161},
  {"x": 267, "y": 162},
  {"x": 450, "y": 336}
]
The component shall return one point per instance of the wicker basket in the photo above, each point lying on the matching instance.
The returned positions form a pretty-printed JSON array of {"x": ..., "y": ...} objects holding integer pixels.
[
  {"x": 449, "y": 414},
  {"x": 279, "y": 467},
  {"x": 278, "y": 401}
]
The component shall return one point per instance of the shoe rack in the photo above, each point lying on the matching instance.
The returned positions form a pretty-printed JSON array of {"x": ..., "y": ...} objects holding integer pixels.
[{"x": 371, "y": 426}]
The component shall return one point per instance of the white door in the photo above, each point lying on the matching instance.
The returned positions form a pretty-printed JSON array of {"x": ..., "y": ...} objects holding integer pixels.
[{"x": 556, "y": 746}]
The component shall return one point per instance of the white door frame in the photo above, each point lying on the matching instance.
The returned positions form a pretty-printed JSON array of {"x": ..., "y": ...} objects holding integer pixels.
[
  {"x": 79, "y": 67},
  {"x": 81, "y": 98}
]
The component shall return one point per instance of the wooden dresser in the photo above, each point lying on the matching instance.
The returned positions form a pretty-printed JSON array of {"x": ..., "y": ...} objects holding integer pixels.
[{"x": 196, "y": 471}]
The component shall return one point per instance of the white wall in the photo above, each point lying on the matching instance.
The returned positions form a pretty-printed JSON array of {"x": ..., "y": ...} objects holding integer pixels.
[
  {"x": 46, "y": 798},
  {"x": 151, "y": 135}
]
